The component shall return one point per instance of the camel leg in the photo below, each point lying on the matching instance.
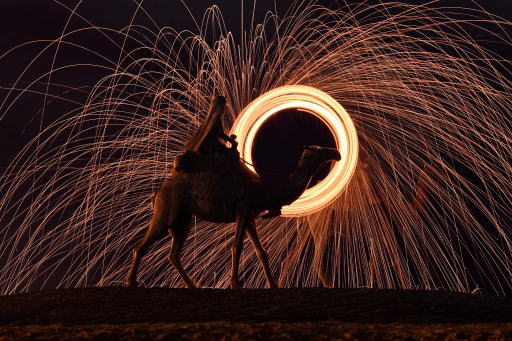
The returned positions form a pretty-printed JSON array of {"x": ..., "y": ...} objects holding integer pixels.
[
  {"x": 236, "y": 250},
  {"x": 155, "y": 231},
  {"x": 319, "y": 256},
  {"x": 262, "y": 255},
  {"x": 293, "y": 257},
  {"x": 179, "y": 232},
  {"x": 318, "y": 264}
]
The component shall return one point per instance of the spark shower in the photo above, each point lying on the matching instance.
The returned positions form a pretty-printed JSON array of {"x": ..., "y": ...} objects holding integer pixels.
[{"x": 428, "y": 203}]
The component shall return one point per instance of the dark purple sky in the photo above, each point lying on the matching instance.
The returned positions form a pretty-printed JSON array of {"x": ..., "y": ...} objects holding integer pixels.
[{"x": 25, "y": 20}]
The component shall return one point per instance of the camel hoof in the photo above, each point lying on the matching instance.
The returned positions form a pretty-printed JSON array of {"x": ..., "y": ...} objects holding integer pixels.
[
  {"x": 131, "y": 283},
  {"x": 235, "y": 285},
  {"x": 191, "y": 286}
]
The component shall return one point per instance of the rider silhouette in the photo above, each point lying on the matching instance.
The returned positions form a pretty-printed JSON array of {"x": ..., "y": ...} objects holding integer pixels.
[
  {"x": 207, "y": 150},
  {"x": 208, "y": 142}
]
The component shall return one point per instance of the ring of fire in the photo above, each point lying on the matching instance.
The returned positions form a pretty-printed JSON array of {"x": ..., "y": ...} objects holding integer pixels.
[{"x": 332, "y": 114}]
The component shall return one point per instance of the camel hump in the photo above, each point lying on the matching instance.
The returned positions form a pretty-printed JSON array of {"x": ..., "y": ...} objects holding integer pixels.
[{"x": 216, "y": 162}]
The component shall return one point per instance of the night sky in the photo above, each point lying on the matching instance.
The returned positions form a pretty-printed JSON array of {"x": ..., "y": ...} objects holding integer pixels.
[
  {"x": 25, "y": 20},
  {"x": 22, "y": 21}
]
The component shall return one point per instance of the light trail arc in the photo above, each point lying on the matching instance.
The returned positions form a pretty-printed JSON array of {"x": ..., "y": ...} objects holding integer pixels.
[{"x": 330, "y": 112}]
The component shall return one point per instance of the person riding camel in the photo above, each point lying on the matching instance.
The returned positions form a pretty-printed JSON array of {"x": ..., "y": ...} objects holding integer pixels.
[{"x": 207, "y": 150}]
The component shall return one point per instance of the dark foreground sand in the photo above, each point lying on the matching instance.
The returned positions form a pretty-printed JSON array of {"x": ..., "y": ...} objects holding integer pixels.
[{"x": 280, "y": 314}]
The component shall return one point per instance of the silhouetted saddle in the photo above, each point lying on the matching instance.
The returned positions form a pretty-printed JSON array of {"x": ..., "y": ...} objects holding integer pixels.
[{"x": 216, "y": 162}]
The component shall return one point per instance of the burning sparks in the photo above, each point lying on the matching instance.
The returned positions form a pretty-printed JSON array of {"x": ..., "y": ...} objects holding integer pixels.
[
  {"x": 335, "y": 117},
  {"x": 429, "y": 201}
]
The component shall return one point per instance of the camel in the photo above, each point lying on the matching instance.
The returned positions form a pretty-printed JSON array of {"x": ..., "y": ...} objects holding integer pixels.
[{"x": 215, "y": 185}]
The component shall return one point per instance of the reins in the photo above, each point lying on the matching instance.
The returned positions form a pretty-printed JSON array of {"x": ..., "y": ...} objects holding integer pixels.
[{"x": 265, "y": 170}]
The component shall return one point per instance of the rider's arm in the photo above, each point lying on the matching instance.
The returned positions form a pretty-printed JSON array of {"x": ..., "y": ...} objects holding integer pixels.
[{"x": 231, "y": 139}]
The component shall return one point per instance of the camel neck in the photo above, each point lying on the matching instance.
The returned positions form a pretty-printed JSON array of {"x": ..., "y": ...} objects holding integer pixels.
[{"x": 297, "y": 183}]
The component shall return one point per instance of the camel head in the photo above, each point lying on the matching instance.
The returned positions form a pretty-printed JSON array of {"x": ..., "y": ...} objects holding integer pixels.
[
  {"x": 317, "y": 156},
  {"x": 312, "y": 158}
]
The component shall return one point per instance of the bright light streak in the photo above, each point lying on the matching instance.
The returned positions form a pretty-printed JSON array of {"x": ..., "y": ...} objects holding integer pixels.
[
  {"x": 331, "y": 113},
  {"x": 428, "y": 206}
]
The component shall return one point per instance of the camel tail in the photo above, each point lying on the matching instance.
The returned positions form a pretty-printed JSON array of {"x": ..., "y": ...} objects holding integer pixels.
[{"x": 153, "y": 198}]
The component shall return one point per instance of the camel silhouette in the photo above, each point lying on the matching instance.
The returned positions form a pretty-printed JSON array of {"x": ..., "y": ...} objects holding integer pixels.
[{"x": 210, "y": 181}]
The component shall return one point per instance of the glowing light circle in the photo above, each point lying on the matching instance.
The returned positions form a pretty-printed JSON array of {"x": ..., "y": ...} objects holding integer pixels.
[{"x": 325, "y": 108}]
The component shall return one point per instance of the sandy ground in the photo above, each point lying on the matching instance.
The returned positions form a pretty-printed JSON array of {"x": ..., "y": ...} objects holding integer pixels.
[
  {"x": 280, "y": 314},
  {"x": 322, "y": 330}
]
